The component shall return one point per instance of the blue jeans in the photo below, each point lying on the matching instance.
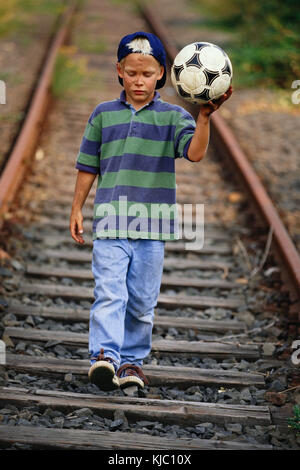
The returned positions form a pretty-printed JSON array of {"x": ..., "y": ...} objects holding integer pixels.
[{"x": 127, "y": 275}]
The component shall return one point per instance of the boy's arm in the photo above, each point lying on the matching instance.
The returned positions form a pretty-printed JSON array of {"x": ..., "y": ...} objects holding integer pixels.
[
  {"x": 83, "y": 185},
  {"x": 200, "y": 140}
]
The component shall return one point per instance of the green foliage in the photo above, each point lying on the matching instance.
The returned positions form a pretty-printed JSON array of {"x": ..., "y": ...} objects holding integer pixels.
[
  {"x": 13, "y": 117},
  {"x": 88, "y": 45},
  {"x": 19, "y": 15},
  {"x": 265, "y": 46},
  {"x": 294, "y": 422},
  {"x": 69, "y": 73}
]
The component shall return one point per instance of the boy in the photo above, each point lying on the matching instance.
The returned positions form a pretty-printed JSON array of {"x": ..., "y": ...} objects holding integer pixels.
[{"x": 132, "y": 144}]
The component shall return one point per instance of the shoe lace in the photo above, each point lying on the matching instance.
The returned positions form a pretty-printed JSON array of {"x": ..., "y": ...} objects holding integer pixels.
[
  {"x": 101, "y": 357},
  {"x": 132, "y": 369}
]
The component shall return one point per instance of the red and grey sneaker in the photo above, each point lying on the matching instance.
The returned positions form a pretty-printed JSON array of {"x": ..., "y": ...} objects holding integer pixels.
[
  {"x": 103, "y": 373},
  {"x": 131, "y": 375}
]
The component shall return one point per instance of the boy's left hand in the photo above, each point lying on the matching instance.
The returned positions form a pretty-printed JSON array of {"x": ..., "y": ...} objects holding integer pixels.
[{"x": 208, "y": 108}]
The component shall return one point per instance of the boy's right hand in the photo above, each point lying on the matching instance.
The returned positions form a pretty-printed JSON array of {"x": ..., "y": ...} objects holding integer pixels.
[{"x": 76, "y": 225}]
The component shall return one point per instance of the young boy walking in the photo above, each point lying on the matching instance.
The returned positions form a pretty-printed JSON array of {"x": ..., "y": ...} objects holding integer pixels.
[{"x": 131, "y": 143}]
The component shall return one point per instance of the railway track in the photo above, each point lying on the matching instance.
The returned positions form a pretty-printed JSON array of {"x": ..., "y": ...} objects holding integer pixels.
[{"x": 219, "y": 361}]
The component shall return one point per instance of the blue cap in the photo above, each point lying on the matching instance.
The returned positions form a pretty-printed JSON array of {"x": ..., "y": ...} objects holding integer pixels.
[{"x": 157, "y": 51}]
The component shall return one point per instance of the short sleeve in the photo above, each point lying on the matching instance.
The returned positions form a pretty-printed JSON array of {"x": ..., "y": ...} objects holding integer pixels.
[
  {"x": 185, "y": 128},
  {"x": 88, "y": 158}
]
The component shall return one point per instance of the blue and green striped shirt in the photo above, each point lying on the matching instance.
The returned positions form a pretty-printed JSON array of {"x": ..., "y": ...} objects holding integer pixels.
[{"x": 133, "y": 153}]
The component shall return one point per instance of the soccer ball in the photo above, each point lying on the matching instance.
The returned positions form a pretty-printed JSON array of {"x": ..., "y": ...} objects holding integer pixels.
[{"x": 201, "y": 72}]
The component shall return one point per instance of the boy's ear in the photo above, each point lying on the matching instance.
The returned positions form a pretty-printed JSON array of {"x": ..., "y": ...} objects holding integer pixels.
[
  {"x": 162, "y": 69},
  {"x": 119, "y": 70}
]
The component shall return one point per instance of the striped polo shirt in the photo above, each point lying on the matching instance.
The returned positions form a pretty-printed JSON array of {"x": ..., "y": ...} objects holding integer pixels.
[{"x": 133, "y": 153}]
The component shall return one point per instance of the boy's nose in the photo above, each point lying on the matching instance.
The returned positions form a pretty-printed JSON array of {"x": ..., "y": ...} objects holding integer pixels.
[{"x": 139, "y": 80}]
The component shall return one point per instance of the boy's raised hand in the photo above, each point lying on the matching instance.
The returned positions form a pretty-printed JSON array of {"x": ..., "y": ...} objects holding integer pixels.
[{"x": 208, "y": 108}]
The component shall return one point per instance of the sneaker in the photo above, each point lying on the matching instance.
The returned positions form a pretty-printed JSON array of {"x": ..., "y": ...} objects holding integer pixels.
[
  {"x": 103, "y": 373},
  {"x": 130, "y": 375}
]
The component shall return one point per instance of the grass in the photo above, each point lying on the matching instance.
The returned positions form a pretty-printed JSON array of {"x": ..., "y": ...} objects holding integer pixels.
[
  {"x": 69, "y": 73},
  {"x": 18, "y": 16},
  {"x": 12, "y": 117},
  {"x": 88, "y": 45},
  {"x": 294, "y": 422},
  {"x": 11, "y": 77}
]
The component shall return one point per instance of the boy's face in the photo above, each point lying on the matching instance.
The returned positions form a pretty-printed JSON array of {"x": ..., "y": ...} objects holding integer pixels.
[{"x": 139, "y": 73}]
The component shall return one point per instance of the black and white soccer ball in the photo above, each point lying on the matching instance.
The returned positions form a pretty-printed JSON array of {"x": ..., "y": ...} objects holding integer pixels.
[{"x": 201, "y": 72}]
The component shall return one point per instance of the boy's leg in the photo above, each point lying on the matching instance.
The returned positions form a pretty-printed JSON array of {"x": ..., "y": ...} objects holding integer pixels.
[
  {"x": 143, "y": 284},
  {"x": 107, "y": 314}
]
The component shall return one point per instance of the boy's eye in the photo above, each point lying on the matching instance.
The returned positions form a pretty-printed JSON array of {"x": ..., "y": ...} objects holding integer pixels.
[{"x": 146, "y": 74}]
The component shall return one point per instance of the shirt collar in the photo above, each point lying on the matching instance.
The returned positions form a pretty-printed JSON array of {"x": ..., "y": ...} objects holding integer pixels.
[{"x": 123, "y": 97}]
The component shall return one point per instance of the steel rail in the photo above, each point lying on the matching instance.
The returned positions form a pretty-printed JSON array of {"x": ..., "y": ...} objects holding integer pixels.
[
  {"x": 22, "y": 152},
  {"x": 227, "y": 145}
]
